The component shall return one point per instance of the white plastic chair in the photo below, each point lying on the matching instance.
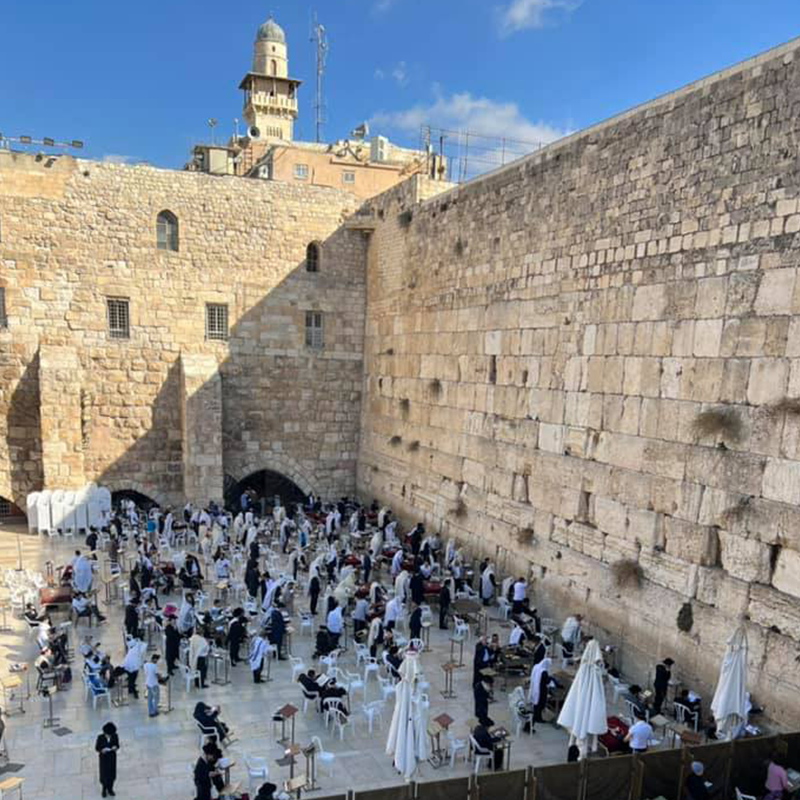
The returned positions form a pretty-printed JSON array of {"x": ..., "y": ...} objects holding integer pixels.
[
  {"x": 205, "y": 733},
  {"x": 362, "y": 653},
  {"x": 306, "y": 623},
  {"x": 387, "y": 687},
  {"x": 373, "y": 711},
  {"x": 354, "y": 684},
  {"x": 685, "y": 716},
  {"x": 341, "y": 722},
  {"x": 618, "y": 688},
  {"x": 323, "y": 757},
  {"x": 456, "y": 746},
  {"x": 257, "y": 769},
  {"x": 742, "y": 796},
  {"x": 479, "y": 754},
  {"x": 189, "y": 676},
  {"x": 298, "y": 667},
  {"x": 504, "y": 607},
  {"x": 371, "y": 667}
]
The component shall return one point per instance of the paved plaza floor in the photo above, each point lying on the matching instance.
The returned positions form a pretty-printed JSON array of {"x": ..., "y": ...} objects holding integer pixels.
[{"x": 157, "y": 755}]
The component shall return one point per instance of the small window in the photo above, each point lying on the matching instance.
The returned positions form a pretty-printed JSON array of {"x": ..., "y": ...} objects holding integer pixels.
[
  {"x": 118, "y": 317},
  {"x": 301, "y": 172},
  {"x": 167, "y": 231},
  {"x": 216, "y": 321},
  {"x": 314, "y": 337},
  {"x": 3, "y": 317},
  {"x": 312, "y": 257},
  {"x": 348, "y": 176},
  {"x": 274, "y": 66}
]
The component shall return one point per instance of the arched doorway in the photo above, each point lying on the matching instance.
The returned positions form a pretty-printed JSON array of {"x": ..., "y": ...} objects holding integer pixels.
[
  {"x": 265, "y": 485},
  {"x": 10, "y": 512},
  {"x": 140, "y": 500}
]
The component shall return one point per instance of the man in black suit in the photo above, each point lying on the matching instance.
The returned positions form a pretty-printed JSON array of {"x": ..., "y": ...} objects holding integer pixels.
[
  {"x": 172, "y": 646},
  {"x": 444, "y": 604},
  {"x": 661, "y": 683},
  {"x": 482, "y": 691},
  {"x": 415, "y": 623},
  {"x": 204, "y": 773},
  {"x": 486, "y": 741}
]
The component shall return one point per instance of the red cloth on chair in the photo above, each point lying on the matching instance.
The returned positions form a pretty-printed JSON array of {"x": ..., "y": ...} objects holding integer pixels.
[
  {"x": 613, "y": 739},
  {"x": 52, "y": 596}
]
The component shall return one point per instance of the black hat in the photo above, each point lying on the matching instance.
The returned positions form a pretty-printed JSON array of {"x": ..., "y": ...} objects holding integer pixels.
[{"x": 109, "y": 729}]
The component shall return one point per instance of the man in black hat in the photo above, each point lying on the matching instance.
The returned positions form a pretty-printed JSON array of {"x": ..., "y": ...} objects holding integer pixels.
[{"x": 661, "y": 682}]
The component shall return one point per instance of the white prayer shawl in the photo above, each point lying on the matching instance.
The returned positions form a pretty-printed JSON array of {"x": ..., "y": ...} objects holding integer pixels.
[
  {"x": 252, "y": 533},
  {"x": 505, "y": 586},
  {"x": 272, "y": 585},
  {"x": 329, "y": 522},
  {"x": 238, "y": 523},
  {"x": 217, "y": 535},
  {"x": 515, "y": 637},
  {"x": 82, "y": 574},
  {"x": 376, "y": 543},
  {"x": 382, "y": 516},
  {"x": 248, "y": 518},
  {"x": 397, "y": 562},
  {"x": 374, "y": 631},
  {"x": 389, "y": 532},
  {"x": 133, "y": 658},
  {"x": 450, "y": 552},
  {"x": 487, "y": 587},
  {"x": 186, "y": 617},
  {"x": 354, "y": 522},
  {"x": 401, "y": 586},
  {"x": 373, "y": 592},
  {"x": 258, "y": 649},
  {"x": 571, "y": 631},
  {"x": 346, "y": 588},
  {"x": 168, "y": 526},
  {"x": 536, "y": 679}
]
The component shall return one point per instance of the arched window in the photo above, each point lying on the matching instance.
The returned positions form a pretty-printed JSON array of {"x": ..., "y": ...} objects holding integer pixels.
[
  {"x": 312, "y": 257},
  {"x": 167, "y": 231},
  {"x": 274, "y": 66}
]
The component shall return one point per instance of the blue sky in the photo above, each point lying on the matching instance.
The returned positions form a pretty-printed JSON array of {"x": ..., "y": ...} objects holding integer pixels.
[{"x": 139, "y": 80}]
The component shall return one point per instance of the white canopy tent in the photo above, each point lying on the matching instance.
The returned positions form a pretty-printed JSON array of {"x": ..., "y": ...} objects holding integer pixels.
[
  {"x": 584, "y": 712},
  {"x": 730, "y": 703},
  {"x": 403, "y": 744}
]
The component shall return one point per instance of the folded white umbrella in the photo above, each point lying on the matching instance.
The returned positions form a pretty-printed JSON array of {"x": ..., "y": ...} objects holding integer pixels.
[
  {"x": 401, "y": 741},
  {"x": 729, "y": 705},
  {"x": 584, "y": 712}
]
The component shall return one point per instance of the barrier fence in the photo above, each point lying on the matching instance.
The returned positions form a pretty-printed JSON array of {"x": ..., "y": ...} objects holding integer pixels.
[{"x": 660, "y": 774}]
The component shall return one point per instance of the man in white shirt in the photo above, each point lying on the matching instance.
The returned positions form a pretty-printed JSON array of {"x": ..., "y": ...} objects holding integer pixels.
[
  {"x": 151, "y": 685},
  {"x": 397, "y": 563},
  {"x": 132, "y": 663},
  {"x": 639, "y": 734},
  {"x": 335, "y": 623},
  {"x": 520, "y": 589},
  {"x": 84, "y": 608}
]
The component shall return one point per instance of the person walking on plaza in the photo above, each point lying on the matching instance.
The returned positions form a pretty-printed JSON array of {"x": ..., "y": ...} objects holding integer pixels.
[
  {"x": 151, "y": 686},
  {"x": 172, "y": 644},
  {"x": 106, "y": 746}
]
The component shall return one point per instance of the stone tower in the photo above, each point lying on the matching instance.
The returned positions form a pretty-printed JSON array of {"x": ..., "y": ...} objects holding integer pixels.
[{"x": 270, "y": 95}]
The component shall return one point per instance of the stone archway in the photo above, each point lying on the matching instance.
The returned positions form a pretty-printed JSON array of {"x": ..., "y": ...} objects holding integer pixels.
[
  {"x": 280, "y": 463},
  {"x": 134, "y": 486}
]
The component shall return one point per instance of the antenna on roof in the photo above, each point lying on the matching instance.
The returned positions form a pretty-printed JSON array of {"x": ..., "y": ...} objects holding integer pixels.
[{"x": 320, "y": 39}]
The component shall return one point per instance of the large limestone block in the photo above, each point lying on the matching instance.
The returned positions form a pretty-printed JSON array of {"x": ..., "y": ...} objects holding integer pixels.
[
  {"x": 769, "y": 607},
  {"x": 650, "y": 302},
  {"x": 670, "y": 572},
  {"x": 716, "y": 588},
  {"x": 746, "y": 559},
  {"x": 768, "y": 380},
  {"x": 775, "y": 292},
  {"x": 688, "y": 541},
  {"x": 786, "y": 577},
  {"x": 782, "y": 480},
  {"x": 611, "y": 516}
]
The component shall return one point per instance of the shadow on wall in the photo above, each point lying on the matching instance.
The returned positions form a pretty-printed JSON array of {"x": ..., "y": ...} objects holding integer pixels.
[{"x": 272, "y": 401}]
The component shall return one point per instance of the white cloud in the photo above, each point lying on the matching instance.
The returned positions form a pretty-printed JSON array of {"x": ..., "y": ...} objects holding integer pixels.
[
  {"x": 488, "y": 121},
  {"x": 400, "y": 74},
  {"x": 379, "y": 74},
  {"x": 382, "y": 6},
  {"x": 524, "y": 14},
  {"x": 113, "y": 158}
]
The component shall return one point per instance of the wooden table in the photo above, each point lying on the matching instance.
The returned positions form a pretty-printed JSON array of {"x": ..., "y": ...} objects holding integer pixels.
[
  {"x": 287, "y": 713},
  {"x": 448, "y": 668},
  {"x": 12, "y": 692},
  {"x": 687, "y": 735},
  {"x": 11, "y": 785}
]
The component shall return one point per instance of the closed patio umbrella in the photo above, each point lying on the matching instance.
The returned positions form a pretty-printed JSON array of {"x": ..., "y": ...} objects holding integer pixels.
[
  {"x": 729, "y": 705},
  {"x": 401, "y": 742},
  {"x": 584, "y": 710}
]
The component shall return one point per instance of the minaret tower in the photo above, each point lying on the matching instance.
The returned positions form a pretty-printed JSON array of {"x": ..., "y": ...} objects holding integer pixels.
[{"x": 270, "y": 95}]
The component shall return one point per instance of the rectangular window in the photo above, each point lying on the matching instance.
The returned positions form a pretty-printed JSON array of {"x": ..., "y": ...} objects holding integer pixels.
[
  {"x": 348, "y": 176},
  {"x": 3, "y": 317},
  {"x": 5, "y": 508},
  {"x": 314, "y": 337},
  {"x": 118, "y": 317},
  {"x": 216, "y": 321},
  {"x": 301, "y": 172}
]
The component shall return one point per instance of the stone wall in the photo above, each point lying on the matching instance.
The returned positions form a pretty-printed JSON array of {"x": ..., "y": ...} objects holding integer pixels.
[
  {"x": 75, "y": 232},
  {"x": 543, "y": 345}
]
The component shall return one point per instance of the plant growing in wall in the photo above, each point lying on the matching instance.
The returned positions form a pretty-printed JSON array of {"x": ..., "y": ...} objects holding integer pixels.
[
  {"x": 685, "y": 618},
  {"x": 627, "y": 573},
  {"x": 459, "y": 510},
  {"x": 525, "y": 535},
  {"x": 725, "y": 423},
  {"x": 413, "y": 446},
  {"x": 786, "y": 405}
]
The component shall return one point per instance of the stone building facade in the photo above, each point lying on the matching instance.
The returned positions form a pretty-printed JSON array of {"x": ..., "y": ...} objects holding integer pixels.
[
  {"x": 166, "y": 410},
  {"x": 586, "y": 364}
]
